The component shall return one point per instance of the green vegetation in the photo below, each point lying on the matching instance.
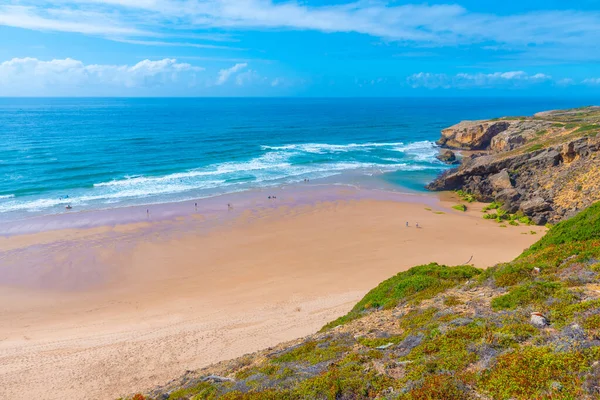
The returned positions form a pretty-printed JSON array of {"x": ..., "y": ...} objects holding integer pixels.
[
  {"x": 584, "y": 226},
  {"x": 500, "y": 215},
  {"x": 464, "y": 196},
  {"x": 587, "y": 128},
  {"x": 378, "y": 342},
  {"x": 451, "y": 300},
  {"x": 535, "y": 147},
  {"x": 460, "y": 207},
  {"x": 530, "y": 293},
  {"x": 416, "y": 284},
  {"x": 532, "y": 371},
  {"x": 313, "y": 352},
  {"x": 492, "y": 206},
  {"x": 432, "y": 332}
]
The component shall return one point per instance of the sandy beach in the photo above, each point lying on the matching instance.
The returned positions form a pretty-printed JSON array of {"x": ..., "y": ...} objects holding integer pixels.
[{"x": 97, "y": 312}]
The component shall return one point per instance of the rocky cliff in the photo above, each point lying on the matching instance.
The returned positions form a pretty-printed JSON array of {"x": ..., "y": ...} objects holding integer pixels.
[{"x": 546, "y": 166}]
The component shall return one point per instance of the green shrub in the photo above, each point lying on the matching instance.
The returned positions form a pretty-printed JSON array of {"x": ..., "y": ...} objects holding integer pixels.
[
  {"x": 449, "y": 351},
  {"x": 592, "y": 322},
  {"x": 460, "y": 207},
  {"x": 584, "y": 226},
  {"x": 451, "y": 301},
  {"x": 202, "y": 390},
  {"x": 529, "y": 293},
  {"x": 527, "y": 373},
  {"x": 314, "y": 352},
  {"x": 416, "y": 284},
  {"x": 464, "y": 196},
  {"x": 535, "y": 147},
  {"x": 440, "y": 386},
  {"x": 525, "y": 220},
  {"x": 492, "y": 206},
  {"x": 346, "y": 379},
  {"x": 587, "y": 128},
  {"x": 377, "y": 342}
]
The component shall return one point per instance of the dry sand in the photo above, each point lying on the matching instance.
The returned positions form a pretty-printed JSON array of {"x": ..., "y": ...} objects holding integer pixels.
[{"x": 104, "y": 312}]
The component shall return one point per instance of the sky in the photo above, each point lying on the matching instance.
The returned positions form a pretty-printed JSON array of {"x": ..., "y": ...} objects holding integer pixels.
[{"x": 299, "y": 48}]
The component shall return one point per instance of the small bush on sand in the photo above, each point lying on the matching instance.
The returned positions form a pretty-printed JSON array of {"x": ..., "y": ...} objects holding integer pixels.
[
  {"x": 464, "y": 196},
  {"x": 460, "y": 207}
]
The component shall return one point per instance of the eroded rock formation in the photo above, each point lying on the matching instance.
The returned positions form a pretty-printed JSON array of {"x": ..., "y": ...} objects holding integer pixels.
[{"x": 546, "y": 166}]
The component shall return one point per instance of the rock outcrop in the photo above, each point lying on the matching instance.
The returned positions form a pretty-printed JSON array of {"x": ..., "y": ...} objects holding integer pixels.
[
  {"x": 547, "y": 166},
  {"x": 471, "y": 135},
  {"x": 448, "y": 157}
]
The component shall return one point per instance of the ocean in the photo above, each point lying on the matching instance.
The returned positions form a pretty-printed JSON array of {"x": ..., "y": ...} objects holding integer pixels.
[{"x": 98, "y": 153}]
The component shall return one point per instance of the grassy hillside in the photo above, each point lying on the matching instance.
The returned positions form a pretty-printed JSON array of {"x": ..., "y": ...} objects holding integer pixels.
[{"x": 437, "y": 332}]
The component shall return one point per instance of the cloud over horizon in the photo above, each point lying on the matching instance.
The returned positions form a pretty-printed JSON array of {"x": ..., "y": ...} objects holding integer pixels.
[
  {"x": 509, "y": 79},
  {"x": 226, "y": 73},
  {"x": 30, "y": 73}
]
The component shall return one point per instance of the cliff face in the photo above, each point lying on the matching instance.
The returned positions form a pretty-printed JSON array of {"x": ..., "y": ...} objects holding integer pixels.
[{"x": 546, "y": 166}]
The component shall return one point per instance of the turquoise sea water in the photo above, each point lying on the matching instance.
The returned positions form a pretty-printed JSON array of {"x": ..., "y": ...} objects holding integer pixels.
[{"x": 105, "y": 153}]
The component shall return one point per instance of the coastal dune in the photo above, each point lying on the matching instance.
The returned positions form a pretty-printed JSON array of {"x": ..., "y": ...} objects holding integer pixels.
[{"x": 96, "y": 313}]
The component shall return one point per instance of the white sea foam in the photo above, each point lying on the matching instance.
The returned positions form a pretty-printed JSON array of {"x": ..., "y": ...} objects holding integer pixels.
[
  {"x": 7, "y": 196},
  {"x": 323, "y": 148},
  {"x": 275, "y": 166},
  {"x": 423, "y": 151}
]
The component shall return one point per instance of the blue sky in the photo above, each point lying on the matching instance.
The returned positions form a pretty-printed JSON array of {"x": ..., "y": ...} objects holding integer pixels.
[{"x": 299, "y": 48}]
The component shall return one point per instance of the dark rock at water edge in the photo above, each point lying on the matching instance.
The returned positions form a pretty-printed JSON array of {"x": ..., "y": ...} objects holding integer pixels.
[{"x": 448, "y": 157}]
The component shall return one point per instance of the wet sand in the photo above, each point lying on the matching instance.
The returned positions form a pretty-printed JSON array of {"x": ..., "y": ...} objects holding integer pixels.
[{"x": 104, "y": 311}]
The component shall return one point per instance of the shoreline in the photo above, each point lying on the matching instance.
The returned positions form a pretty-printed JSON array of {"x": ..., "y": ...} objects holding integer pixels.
[
  {"x": 107, "y": 310},
  {"x": 293, "y": 194},
  {"x": 123, "y": 211}
]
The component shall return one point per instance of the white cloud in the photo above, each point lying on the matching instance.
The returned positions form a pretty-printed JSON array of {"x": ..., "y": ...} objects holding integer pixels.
[
  {"x": 565, "y": 82},
  {"x": 421, "y": 24},
  {"x": 464, "y": 80},
  {"x": 591, "y": 81},
  {"x": 96, "y": 23},
  {"x": 174, "y": 44},
  {"x": 225, "y": 74},
  {"x": 26, "y": 74},
  {"x": 249, "y": 77}
]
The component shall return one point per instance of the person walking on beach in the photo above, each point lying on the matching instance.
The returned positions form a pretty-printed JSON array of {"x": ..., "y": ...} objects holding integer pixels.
[
  {"x": 147, "y": 213},
  {"x": 229, "y": 206},
  {"x": 418, "y": 225},
  {"x": 196, "y": 206}
]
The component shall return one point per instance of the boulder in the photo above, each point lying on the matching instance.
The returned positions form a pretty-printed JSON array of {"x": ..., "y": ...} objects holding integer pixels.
[
  {"x": 539, "y": 219},
  {"x": 538, "y": 320},
  {"x": 500, "y": 181},
  {"x": 509, "y": 199},
  {"x": 507, "y": 196},
  {"x": 568, "y": 153},
  {"x": 448, "y": 157},
  {"x": 533, "y": 206},
  {"x": 545, "y": 159}
]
